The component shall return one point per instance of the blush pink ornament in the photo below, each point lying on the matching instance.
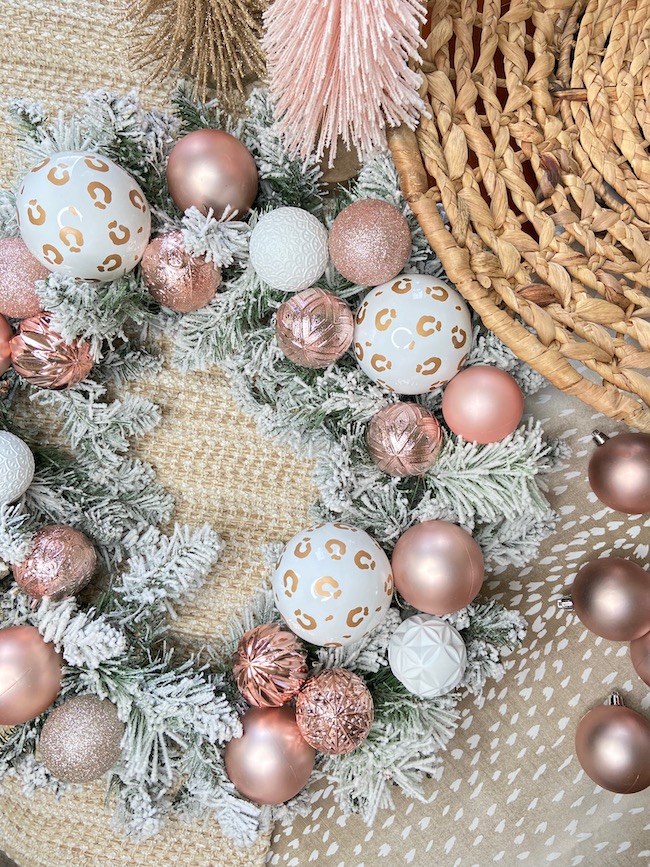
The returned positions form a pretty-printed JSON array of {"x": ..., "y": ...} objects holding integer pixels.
[
  {"x": 269, "y": 665},
  {"x": 6, "y": 334},
  {"x": 482, "y": 404},
  {"x": 334, "y": 711},
  {"x": 19, "y": 271},
  {"x": 42, "y": 357},
  {"x": 314, "y": 328},
  {"x": 611, "y": 597},
  {"x": 640, "y": 656},
  {"x": 30, "y": 674},
  {"x": 404, "y": 439}
]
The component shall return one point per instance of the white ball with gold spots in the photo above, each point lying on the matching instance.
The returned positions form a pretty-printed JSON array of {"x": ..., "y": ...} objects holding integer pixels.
[
  {"x": 332, "y": 584},
  {"x": 412, "y": 334},
  {"x": 83, "y": 216}
]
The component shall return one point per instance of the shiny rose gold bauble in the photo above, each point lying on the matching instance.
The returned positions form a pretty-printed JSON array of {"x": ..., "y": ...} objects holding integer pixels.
[
  {"x": 271, "y": 762},
  {"x": 314, "y": 328},
  {"x": 30, "y": 674},
  {"x": 482, "y": 404},
  {"x": 269, "y": 665},
  {"x": 5, "y": 349},
  {"x": 619, "y": 472},
  {"x": 613, "y": 747},
  {"x": 176, "y": 279},
  {"x": 334, "y": 711},
  {"x": 370, "y": 242},
  {"x": 404, "y": 439},
  {"x": 19, "y": 271},
  {"x": 211, "y": 169},
  {"x": 640, "y": 656},
  {"x": 611, "y": 596},
  {"x": 62, "y": 561},
  {"x": 438, "y": 567},
  {"x": 42, "y": 357}
]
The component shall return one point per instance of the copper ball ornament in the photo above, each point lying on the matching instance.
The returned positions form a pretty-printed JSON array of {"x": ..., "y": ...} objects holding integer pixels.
[
  {"x": 61, "y": 562},
  {"x": 30, "y": 674},
  {"x": 271, "y": 762},
  {"x": 314, "y": 328},
  {"x": 619, "y": 472},
  {"x": 42, "y": 357},
  {"x": 209, "y": 168},
  {"x": 640, "y": 656},
  {"x": 19, "y": 271},
  {"x": 6, "y": 333},
  {"x": 269, "y": 665},
  {"x": 611, "y": 597},
  {"x": 438, "y": 567},
  {"x": 334, "y": 711},
  {"x": 404, "y": 439},
  {"x": 482, "y": 404},
  {"x": 174, "y": 278},
  {"x": 370, "y": 242}
]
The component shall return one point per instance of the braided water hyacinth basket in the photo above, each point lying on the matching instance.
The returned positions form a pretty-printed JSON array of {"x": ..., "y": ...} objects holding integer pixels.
[{"x": 537, "y": 148}]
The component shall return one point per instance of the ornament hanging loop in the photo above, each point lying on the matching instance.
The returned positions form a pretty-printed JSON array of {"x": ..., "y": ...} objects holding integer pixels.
[
  {"x": 615, "y": 700},
  {"x": 599, "y": 437}
]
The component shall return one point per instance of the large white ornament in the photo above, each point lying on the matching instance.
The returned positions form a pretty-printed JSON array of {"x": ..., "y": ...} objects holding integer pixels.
[
  {"x": 427, "y": 655},
  {"x": 16, "y": 467},
  {"x": 332, "y": 584},
  {"x": 83, "y": 216},
  {"x": 288, "y": 249},
  {"x": 412, "y": 334}
]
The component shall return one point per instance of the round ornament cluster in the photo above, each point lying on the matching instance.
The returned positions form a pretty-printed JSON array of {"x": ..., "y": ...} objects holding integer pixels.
[
  {"x": 427, "y": 655},
  {"x": 288, "y": 249},
  {"x": 174, "y": 278},
  {"x": 269, "y": 665},
  {"x": 42, "y": 357},
  {"x": 61, "y": 562},
  {"x": 30, "y": 674},
  {"x": 16, "y": 467},
  {"x": 314, "y": 328},
  {"x": 19, "y": 271},
  {"x": 334, "y": 711},
  {"x": 404, "y": 439}
]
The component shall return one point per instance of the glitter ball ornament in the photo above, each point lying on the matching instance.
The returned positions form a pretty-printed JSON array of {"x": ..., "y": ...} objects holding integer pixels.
[
  {"x": 427, "y": 655},
  {"x": 269, "y": 665},
  {"x": 314, "y": 328},
  {"x": 611, "y": 596},
  {"x": 42, "y": 357},
  {"x": 640, "y": 656},
  {"x": 288, "y": 249},
  {"x": 61, "y": 562},
  {"x": 81, "y": 739},
  {"x": 30, "y": 674},
  {"x": 619, "y": 472},
  {"x": 482, "y": 404},
  {"x": 412, "y": 334},
  {"x": 19, "y": 271},
  {"x": 334, "y": 711},
  {"x": 176, "y": 279},
  {"x": 370, "y": 242},
  {"x": 5, "y": 349},
  {"x": 332, "y": 584},
  {"x": 404, "y": 439},
  {"x": 83, "y": 216},
  {"x": 16, "y": 467}
]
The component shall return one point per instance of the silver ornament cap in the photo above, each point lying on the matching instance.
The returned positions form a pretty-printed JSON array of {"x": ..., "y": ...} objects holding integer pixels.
[{"x": 427, "y": 655}]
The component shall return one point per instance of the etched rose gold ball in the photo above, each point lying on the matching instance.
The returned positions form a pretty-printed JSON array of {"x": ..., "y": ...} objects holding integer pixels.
[
  {"x": 61, "y": 562},
  {"x": 404, "y": 439},
  {"x": 269, "y": 665},
  {"x": 334, "y": 711},
  {"x": 19, "y": 271},
  {"x": 174, "y": 278},
  {"x": 42, "y": 357},
  {"x": 314, "y": 328}
]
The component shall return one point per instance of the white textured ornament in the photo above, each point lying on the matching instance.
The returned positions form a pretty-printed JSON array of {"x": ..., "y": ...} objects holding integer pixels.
[
  {"x": 412, "y": 334},
  {"x": 16, "y": 467},
  {"x": 427, "y": 655},
  {"x": 83, "y": 216},
  {"x": 332, "y": 584},
  {"x": 288, "y": 249}
]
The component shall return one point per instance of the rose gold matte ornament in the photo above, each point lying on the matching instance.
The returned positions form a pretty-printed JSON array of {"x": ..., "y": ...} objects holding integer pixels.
[
  {"x": 619, "y": 472},
  {"x": 176, "y": 279},
  {"x": 62, "y": 561},
  {"x": 334, "y": 711},
  {"x": 482, "y": 404},
  {"x": 6, "y": 334},
  {"x": 269, "y": 665},
  {"x": 271, "y": 762},
  {"x": 640, "y": 656},
  {"x": 611, "y": 596},
  {"x": 30, "y": 674},
  {"x": 438, "y": 567},
  {"x": 209, "y": 168},
  {"x": 19, "y": 271},
  {"x": 42, "y": 357},
  {"x": 314, "y": 328},
  {"x": 404, "y": 439}
]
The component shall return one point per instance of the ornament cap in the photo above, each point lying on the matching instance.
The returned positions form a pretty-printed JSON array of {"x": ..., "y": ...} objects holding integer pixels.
[
  {"x": 599, "y": 437},
  {"x": 615, "y": 700},
  {"x": 565, "y": 603}
]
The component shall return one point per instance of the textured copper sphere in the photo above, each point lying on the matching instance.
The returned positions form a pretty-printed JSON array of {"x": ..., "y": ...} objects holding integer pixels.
[
  {"x": 619, "y": 472},
  {"x": 314, "y": 328},
  {"x": 611, "y": 596},
  {"x": 176, "y": 279},
  {"x": 482, "y": 404},
  {"x": 61, "y": 562},
  {"x": 404, "y": 439},
  {"x": 19, "y": 271},
  {"x": 269, "y": 665},
  {"x": 42, "y": 357},
  {"x": 334, "y": 711},
  {"x": 6, "y": 334},
  {"x": 209, "y": 168},
  {"x": 640, "y": 656},
  {"x": 30, "y": 674}
]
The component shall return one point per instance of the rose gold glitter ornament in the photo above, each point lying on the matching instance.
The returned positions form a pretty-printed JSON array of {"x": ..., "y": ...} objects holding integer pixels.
[
  {"x": 30, "y": 674},
  {"x": 5, "y": 349},
  {"x": 314, "y": 328},
  {"x": 370, "y": 242},
  {"x": 269, "y": 665},
  {"x": 176, "y": 279},
  {"x": 334, "y": 711},
  {"x": 19, "y": 271},
  {"x": 62, "y": 561},
  {"x": 482, "y": 404},
  {"x": 42, "y": 357},
  {"x": 404, "y": 439}
]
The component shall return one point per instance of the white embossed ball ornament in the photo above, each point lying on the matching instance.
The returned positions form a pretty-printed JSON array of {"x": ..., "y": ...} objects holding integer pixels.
[
  {"x": 412, "y": 334},
  {"x": 427, "y": 655},
  {"x": 16, "y": 467},
  {"x": 288, "y": 249},
  {"x": 332, "y": 584},
  {"x": 83, "y": 216}
]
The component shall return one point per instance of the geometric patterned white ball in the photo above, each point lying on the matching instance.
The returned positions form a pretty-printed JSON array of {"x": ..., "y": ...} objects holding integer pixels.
[
  {"x": 288, "y": 249},
  {"x": 427, "y": 655},
  {"x": 16, "y": 467}
]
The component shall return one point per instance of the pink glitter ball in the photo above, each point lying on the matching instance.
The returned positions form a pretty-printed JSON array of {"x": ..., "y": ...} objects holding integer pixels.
[{"x": 19, "y": 271}]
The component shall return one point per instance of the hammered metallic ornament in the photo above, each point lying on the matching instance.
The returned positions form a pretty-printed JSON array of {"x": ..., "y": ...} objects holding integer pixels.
[
  {"x": 61, "y": 562},
  {"x": 334, "y": 711},
  {"x": 42, "y": 357},
  {"x": 314, "y": 328},
  {"x": 269, "y": 665},
  {"x": 174, "y": 278},
  {"x": 404, "y": 439}
]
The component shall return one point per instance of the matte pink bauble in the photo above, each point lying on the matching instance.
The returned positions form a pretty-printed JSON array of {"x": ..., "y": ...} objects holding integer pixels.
[
  {"x": 404, "y": 439},
  {"x": 19, "y": 271},
  {"x": 640, "y": 656},
  {"x": 482, "y": 404},
  {"x": 438, "y": 567},
  {"x": 619, "y": 472},
  {"x": 30, "y": 674},
  {"x": 5, "y": 349},
  {"x": 611, "y": 596}
]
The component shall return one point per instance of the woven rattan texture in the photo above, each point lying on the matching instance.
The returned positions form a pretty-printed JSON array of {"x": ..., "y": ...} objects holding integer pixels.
[{"x": 536, "y": 146}]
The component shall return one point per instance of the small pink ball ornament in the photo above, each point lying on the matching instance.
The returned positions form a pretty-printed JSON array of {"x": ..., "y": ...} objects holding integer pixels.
[{"x": 482, "y": 404}]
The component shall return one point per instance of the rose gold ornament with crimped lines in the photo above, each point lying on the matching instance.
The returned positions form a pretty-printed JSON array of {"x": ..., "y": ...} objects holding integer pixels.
[
  {"x": 42, "y": 357},
  {"x": 335, "y": 711},
  {"x": 269, "y": 665}
]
